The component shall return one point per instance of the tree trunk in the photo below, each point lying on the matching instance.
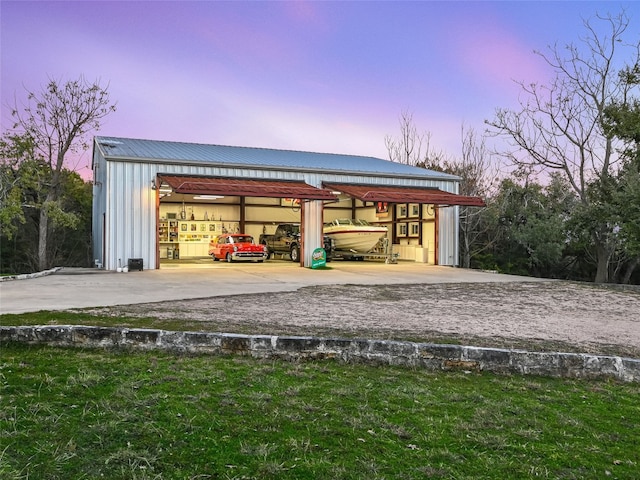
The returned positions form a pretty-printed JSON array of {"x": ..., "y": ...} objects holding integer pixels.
[
  {"x": 602, "y": 259},
  {"x": 466, "y": 260},
  {"x": 466, "y": 251},
  {"x": 43, "y": 227},
  {"x": 629, "y": 270},
  {"x": 463, "y": 238}
]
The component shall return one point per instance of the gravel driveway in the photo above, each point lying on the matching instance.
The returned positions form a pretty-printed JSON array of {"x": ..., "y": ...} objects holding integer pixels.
[{"x": 546, "y": 316}]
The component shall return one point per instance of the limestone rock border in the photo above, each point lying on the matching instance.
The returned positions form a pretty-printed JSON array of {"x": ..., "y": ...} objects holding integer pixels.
[
  {"x": 419, "y": 355},
  {"x": 24, "y": 276}
]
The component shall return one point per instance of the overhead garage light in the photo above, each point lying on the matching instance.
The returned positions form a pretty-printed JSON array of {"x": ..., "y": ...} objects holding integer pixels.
[{"x": 207, "y": 197}]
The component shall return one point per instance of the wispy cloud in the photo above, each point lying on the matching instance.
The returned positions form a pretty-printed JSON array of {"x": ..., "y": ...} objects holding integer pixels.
[{"x": 492, "y": 53}]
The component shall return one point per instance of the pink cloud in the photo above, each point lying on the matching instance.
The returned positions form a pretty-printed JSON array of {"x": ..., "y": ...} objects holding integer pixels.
[
  {"x": 493, "y": 54},
  {"x": 302, "y": 12},
  {"x": 260, "y": 37}
]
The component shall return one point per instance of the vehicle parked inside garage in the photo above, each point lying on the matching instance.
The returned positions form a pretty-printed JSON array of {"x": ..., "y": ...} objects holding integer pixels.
[
  {"x": 286, "y": 240},
  {"x": 354, "y": 234},
  {"x": 237, "y": 246}
]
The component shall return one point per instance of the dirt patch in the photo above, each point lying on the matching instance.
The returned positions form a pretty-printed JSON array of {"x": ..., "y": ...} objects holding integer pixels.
[{"x": 542, "y": 315}]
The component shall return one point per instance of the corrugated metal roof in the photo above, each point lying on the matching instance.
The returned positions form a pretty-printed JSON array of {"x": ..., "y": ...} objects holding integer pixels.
[{"x": 117, "y": 148}]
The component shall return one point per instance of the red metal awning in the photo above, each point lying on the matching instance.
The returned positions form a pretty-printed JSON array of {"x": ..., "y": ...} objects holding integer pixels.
[
  {"x": 245, "y": 187},
  {"x": 396, "y": 194}
]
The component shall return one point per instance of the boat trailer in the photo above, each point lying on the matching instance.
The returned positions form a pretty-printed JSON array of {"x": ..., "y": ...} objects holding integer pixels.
[{"x": 383, "y": 250}]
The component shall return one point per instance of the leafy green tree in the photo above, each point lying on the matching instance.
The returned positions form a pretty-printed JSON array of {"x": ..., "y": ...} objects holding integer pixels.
[
  {"x": 20, "y": 170},
  {"x": 629, "y": 198},
  {"x": 73, "y": 244},
  {"x": 15, "y": 151},
  {"x": 622, "y": 120},
  {"x": 57, "y": 121},
  {"x": 24, "y": 177},
  {"x": 531, "y": 227}
]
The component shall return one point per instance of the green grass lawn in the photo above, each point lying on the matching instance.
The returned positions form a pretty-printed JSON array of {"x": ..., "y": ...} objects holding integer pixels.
[{"x": 85, "y": 414}]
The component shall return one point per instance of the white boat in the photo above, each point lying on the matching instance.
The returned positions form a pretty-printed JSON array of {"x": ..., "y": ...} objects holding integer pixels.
[{"x": 354, "y": 235}]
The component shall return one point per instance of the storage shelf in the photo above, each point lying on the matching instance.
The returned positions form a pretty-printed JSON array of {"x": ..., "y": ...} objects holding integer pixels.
[{"x": 191, "y": 237}]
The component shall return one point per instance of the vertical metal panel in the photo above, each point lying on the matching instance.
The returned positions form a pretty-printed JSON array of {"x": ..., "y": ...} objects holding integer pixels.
[
  {"x": 449, "y": 228},
  {"x": 130, "y": 219},
  {"x": 448, "y": 236},
  {"x": 313, "y": 231},
  {"x": 99, "y": 205}
]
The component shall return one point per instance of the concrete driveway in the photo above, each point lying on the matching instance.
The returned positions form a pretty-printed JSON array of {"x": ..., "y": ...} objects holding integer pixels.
[{"x": 78, "y": 288}]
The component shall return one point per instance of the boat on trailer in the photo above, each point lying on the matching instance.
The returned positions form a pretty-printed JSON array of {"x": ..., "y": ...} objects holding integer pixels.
[{"x": 354, "y": 235}]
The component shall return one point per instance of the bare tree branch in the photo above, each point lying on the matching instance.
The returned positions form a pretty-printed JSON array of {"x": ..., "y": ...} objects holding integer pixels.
[{"x": 560, "y": 126}]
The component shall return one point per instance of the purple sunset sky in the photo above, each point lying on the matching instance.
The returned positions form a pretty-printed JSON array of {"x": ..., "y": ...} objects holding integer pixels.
[{"x": 317, "y": 76}]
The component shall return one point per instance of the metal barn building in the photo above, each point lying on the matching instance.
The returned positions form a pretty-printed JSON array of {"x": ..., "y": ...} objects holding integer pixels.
[{"x": 153, "y": 199}]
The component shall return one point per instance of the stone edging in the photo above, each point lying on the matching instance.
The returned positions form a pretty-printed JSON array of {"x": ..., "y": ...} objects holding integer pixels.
[
  {"x": 24, "y": 276},
  {"x": 420, "y": 355}
]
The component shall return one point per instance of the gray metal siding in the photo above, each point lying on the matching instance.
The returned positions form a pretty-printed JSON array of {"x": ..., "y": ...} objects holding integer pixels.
[
  {"x": 99, "y": 205},
  {"x": 130, "y": 219},
  {"x": 448, "y": 236},
  {"x": 449, "y": 231}
]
